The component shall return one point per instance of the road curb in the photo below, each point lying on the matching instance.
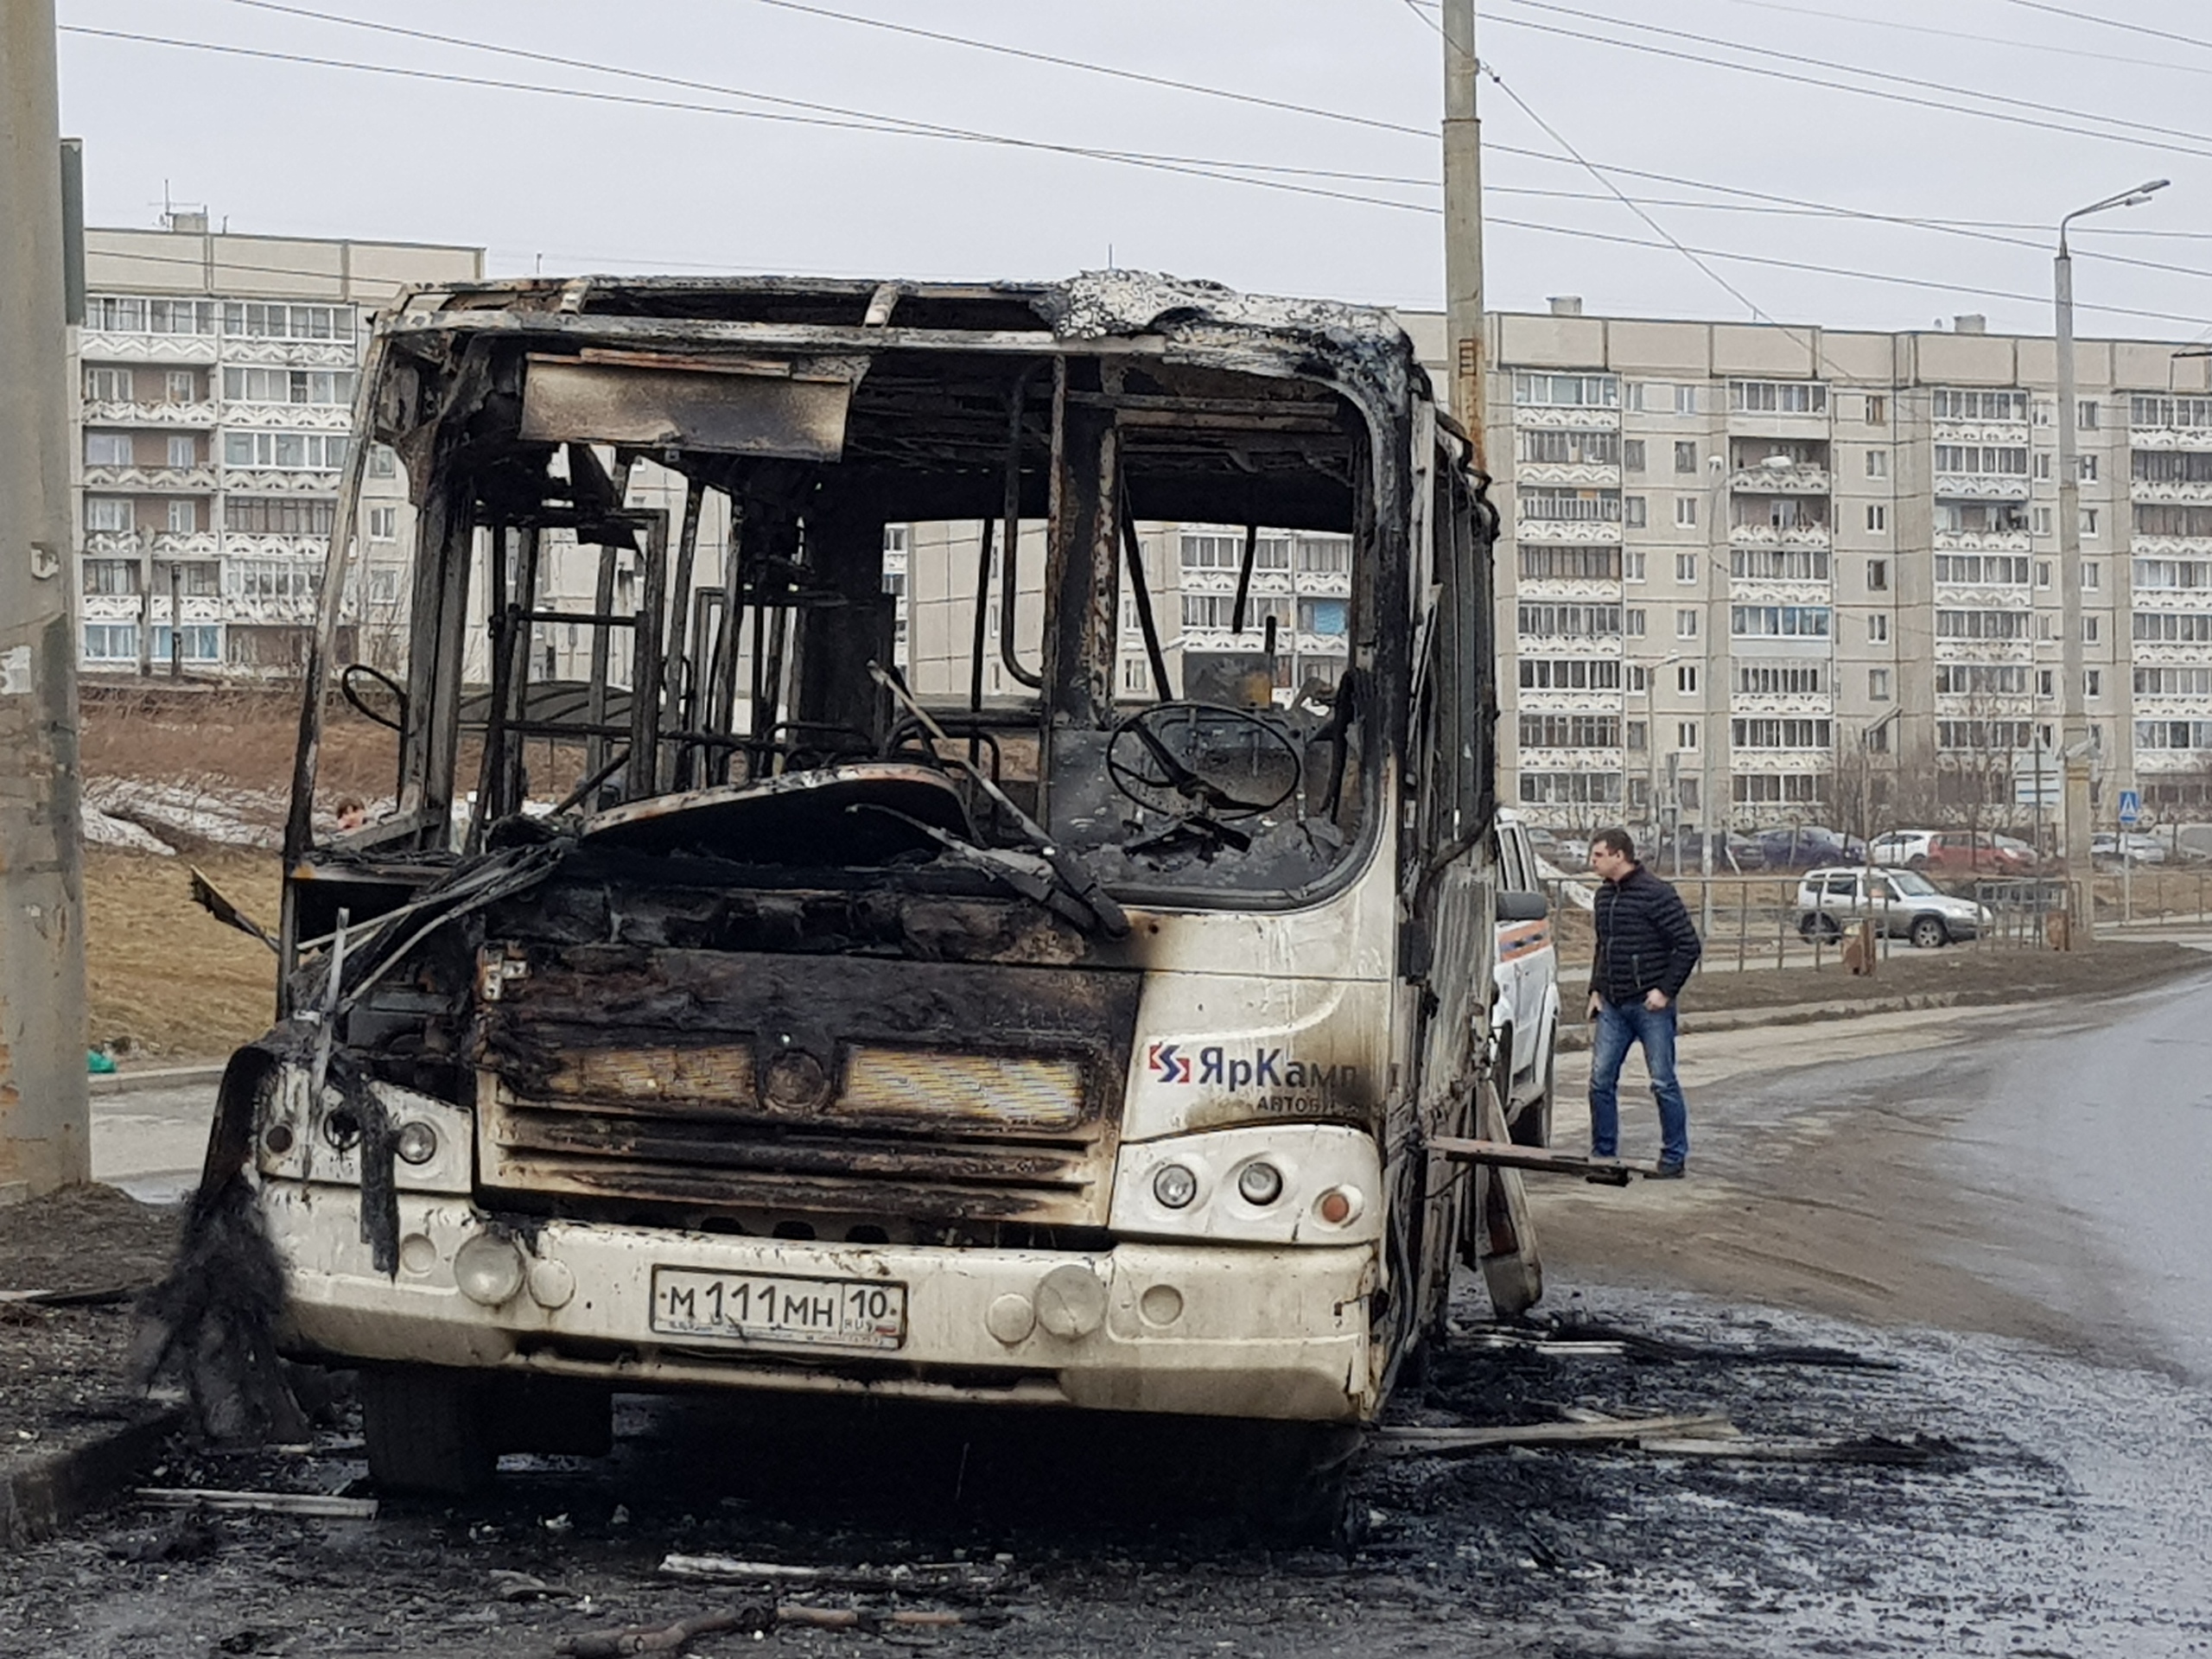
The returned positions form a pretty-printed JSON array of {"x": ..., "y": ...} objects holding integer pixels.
[
  {"x": 1806, "y": 1013},
  {"x": 167, "y": 1077},
  {"x": 42, "y": 1495}
]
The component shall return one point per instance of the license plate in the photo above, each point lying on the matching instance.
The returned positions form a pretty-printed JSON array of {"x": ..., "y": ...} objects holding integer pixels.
[{"x": 765, "y": 1308}]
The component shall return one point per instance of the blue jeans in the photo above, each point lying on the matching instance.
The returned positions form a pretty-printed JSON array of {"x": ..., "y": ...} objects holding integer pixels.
[{"x": 1617, "y": 1027}]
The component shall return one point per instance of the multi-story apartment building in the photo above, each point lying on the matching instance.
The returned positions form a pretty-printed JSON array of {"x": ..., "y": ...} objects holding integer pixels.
[
  {"x": 217, "y": 374},
  {"x": 1747, "y": 570}
]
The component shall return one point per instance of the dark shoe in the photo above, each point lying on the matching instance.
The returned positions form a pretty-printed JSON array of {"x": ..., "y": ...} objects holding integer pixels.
[{"x": 1668, "y": 1172}]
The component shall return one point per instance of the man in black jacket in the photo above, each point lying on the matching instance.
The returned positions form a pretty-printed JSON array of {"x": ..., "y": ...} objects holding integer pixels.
[{"x": 1646, "y": 948}]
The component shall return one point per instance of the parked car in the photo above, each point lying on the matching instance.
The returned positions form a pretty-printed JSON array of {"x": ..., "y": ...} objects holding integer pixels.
[
  {"x": 1904, "y": 904},
  {"x": 1803, "y": 846},
  {"x": 2131, "y": 848},
  {"x": 1958, "y": 852},
  {"x": 1732, "y": 854},
  {"x": 1561, "y": 851},
  {"x": 1524, "y": 1010}
]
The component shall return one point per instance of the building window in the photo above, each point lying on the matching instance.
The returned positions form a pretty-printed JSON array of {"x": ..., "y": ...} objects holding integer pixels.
[
  {"x": 110, "y": 577},
  {"x": 382, "y": 462},
  {"x": 322, "y": 386},
  {"x": 1322, "y": 616},
  {"x": 1779, "y": 396},
  {"x": 1685, "y": 400},
  {"x": 2085, "y": 414},
  {"x": 1632, "y": 565},
  {"x": 2092, "y": 683},
  {"x": 1686, "y": 733},
  {"x": 250, "y": 515},
  {"x": 2043, "y": 573},
  {"x": 312, "y": 452},
  {"x": 1685, "y": 512},
  {"x": 111, "y": 515},
  {"x": 1567, "y": 390},
  {"x": 1780, "y": 621},
  {"x": 2088, "y": 521},
  {"x": 1540, "y": 563},
  {"x": 1632, "y": 512},
  {"x": 108, "y": 449},
  {"x": 181, "y": 385},
  {"x": 1878, "y": 685},
  {"x": 1987, "y": 460},
  {"x": 2043, "y": 521},
  {"x": 1685, "y": 678},
  {"x": 184, "y": 517},
  {"x": 107, "y": 385},
  {"x": 201, "y": 644},
  {"x": 1686, "y": 457},
  {"x": 1685, "y": 567},
  {"x": 1637, "y": 734},
  {"x": 2091, "y": 577},
  {"x": 1633, "y": 455},
  {"x": 184, "y": 452},
  {"x": 1878, "y": 629},
  {"x": 2089, "y": 630},
  {"x": 1877, "y": 576},
  {"x": 111, "y": 642},
  {"x": 1877, "y": 463},
  {"x": 384, "y": 527},
  {"x": 253, "y": 320},
  {"x": 1877, "y": 518},
  {"x": 1685, "y": 625},
  {"x": 1949, "y": 405},
  {"x": 2087, "y": 464},
  {"x": 2042, "y": 466},
  {"x": 1877, "y": 410},
  {"x": 1632, "y": 622}
]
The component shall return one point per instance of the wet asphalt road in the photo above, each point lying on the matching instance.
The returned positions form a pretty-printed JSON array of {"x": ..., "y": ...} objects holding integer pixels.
[{"x": 2063, "y": 1505}]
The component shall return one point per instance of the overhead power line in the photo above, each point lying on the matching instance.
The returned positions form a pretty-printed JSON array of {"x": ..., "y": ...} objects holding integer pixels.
[
  {"x": 1948, "y": 107},
  {"x": 2050, "y": 47},
  {"x": 2070, "y": 13},
  {"x": 1194, "y": 167}
]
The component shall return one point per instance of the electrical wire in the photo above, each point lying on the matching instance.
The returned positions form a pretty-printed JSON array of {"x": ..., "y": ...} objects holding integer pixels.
[
  {"x": 1004, "y": 50},
  {"x": 1193, "y": 167},
  {"x": 1973, "y": 39},
  {"x": 2073, "y": 16},
  {"x": 1951, "y": 108}
]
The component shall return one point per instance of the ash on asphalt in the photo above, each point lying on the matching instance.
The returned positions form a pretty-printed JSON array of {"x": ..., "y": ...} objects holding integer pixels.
[{"x": 2064, "y": 1512}]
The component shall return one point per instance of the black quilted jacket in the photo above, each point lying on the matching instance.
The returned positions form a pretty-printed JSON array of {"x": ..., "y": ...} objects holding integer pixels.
[{"x": 1645, "y": 939}]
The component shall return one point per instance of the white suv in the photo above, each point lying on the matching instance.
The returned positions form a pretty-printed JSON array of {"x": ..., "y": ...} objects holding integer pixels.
[
  {"x": 1525, "y": 1011},
  {"x": 1904, "y": 904}
]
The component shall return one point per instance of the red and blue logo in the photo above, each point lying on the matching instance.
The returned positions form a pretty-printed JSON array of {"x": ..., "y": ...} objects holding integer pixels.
[{"x": 1168, "y": 1062}]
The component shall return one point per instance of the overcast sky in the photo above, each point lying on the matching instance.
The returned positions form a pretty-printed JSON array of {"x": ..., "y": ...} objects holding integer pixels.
[{"x": 585, "y": 184}]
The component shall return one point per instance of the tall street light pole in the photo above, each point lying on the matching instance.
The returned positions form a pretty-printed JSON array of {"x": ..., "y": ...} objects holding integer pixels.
[
  {"x": 2074, "y": 711},
  {"x": 44, "y": 1135},
  {"x": 1463, "y": 223}
]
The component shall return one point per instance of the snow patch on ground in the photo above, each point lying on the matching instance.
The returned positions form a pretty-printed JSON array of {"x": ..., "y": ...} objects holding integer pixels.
[
  {"x": 103, "y": 830},
  {"x": 228, "y": 816}
]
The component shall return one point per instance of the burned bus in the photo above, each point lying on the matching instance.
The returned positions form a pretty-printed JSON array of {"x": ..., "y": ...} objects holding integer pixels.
[{"x": 1058, "y": 1019}]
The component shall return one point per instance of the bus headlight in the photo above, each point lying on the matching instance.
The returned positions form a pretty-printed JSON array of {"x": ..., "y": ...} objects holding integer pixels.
[
  {"x": 1259, "y": 1183},
  {"x": 1250, "y": 1183},
  {"x": 1174, "y": 1186},
  {"x": 488, "y": 1268},
  {"x": 417, "y": 1143}
]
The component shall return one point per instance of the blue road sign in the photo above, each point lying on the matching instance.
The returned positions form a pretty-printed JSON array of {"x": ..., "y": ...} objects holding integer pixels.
[{"x": 2130, "y": 808}]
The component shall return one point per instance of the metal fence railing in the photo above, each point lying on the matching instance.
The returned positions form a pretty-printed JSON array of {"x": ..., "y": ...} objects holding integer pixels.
[{"x": 1756, "y": 922}]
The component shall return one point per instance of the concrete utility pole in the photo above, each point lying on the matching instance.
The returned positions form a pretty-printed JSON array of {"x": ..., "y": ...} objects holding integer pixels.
[
  {"x": 1463, "y": 223},
  {"x": 45, "y": 1141},
  {"x": 2073, "y": 698}
]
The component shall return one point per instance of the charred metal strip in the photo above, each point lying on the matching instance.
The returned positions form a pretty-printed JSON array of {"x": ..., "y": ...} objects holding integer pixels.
[
  {"x": 379, "y": 1192},
  {"x": 1140, "y": 591},
  {"x": 1010, "y": 561},
  {"x": 1244, "y": 575},
  {"x": 880, "y": 305},
  {"x": 500, "y": 623},
  {"x": 644, "y": 776},
  {"x": 512, "y": 787},
  {"x": 602, "y": 605},
  {"x": 678, "y": 678},
  {"x": 592, "y": 781},
  {"x": 983, "y": 619}
]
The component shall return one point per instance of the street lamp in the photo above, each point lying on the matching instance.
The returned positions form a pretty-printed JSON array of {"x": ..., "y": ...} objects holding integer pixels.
[{"x": 2074, "y": 714}]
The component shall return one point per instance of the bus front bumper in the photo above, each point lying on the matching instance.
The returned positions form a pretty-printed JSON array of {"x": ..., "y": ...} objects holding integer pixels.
[{"x": 1214, "y": 1330}]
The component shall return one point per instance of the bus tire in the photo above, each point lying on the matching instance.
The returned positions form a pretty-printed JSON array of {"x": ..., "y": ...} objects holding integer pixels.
[
  {"x": 428, "y": 1431},
  {"x": 1298, "y": 1491}
]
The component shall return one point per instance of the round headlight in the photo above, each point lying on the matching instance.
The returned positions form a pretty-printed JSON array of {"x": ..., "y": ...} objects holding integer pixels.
[
  {"x": 1259, "y": 1183},
  {"x": 416, "y": 1143},
  {"x": 1174, "y": 1185},
  {"x": 488, "y": 1268}
]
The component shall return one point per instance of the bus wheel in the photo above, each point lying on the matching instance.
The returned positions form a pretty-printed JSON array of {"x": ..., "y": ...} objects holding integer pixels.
[
  {"x": 428, "y": 1431},
  {"x": 1296, "y": 1488}
]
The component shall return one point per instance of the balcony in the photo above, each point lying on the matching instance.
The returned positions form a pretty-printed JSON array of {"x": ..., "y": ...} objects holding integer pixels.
[
  {"x": 106, "y": 413},
  {"x": 94, "y": 345},
  {"x": 1587, "y": 419},
  {"x": 2171, "y": 437},
  {"x": 290, "y": 418},
  {"x": 1981, "y": 487},
  {"x": 195, "y": 481},
  {"x": 1580, "y": 531},
  {"x": 1770, "y": 536},
  {"x": 1981, "y": 541},
  {"x": 1584, "y": 474},
  {"x": 2012, "y": 432},
  {"x": 253, "y": 545},
  {"x": 198, "y": 607},
  {"x": 293, "y": 353},
  {"x": 1799, "y": 478},
  {"x": 269, "y": 481},
  {"x": 2143, "y": 489}
]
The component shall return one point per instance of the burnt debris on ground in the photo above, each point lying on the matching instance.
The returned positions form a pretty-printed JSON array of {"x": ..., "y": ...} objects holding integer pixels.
[{"x": 1066, "y": 1533}]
